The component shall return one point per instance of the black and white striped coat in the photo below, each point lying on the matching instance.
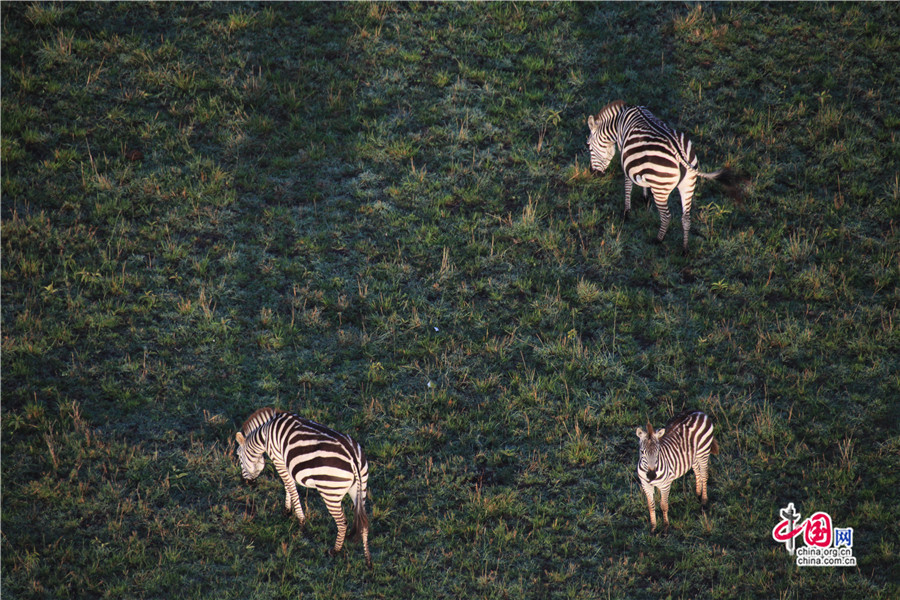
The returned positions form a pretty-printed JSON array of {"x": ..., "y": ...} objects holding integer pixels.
[
  {"x": 653, "y": 156},
  {"x": 685, "y": 443},
  {"x": 312, "y": 455}
]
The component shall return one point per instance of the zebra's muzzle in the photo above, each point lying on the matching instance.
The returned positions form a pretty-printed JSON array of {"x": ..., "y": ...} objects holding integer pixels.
[
  {"x": 651, "y": 475},
  {"x": 250, "y": 482}
]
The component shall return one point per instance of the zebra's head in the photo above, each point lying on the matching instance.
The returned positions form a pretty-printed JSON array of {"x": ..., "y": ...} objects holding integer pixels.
[
  {"x": 649, "y": 459},
  {"x": 251, "y": 465},
  {"x": 600, "y": 143}
]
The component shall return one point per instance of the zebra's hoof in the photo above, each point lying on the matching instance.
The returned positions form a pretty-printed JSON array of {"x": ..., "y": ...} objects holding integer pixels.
[
  {"x": 331, "y": 552},
  {"x": 625, "y": 215},
  {"x": 656, "y": 242}
]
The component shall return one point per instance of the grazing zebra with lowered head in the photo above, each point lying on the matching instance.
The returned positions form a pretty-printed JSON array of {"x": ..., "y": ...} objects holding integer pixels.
[
  {"x": 685, "y": 443},
  {"x": 314, "y": 456},
  {"x": 653, "y": 156}
]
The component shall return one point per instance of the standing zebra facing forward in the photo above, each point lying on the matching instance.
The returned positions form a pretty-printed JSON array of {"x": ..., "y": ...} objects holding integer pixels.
[
  {"x": 314, "y": 456},
  {"x": 653, "y": 156},
  {"x": 685, "y": 443}
]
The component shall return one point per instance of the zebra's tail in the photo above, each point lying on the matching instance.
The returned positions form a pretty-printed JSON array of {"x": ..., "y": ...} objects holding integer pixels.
[
  {"x": 732, "y": 181},
  {"x": 714, "y": 449},
  {"x": 360, "y": 519}
]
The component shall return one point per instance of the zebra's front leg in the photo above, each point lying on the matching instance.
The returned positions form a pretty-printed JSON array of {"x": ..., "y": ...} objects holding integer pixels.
[
  {"x": 651, "y": 506},
  {"x": 664, "y": 505},
  {"x": 291, "y": 497}
]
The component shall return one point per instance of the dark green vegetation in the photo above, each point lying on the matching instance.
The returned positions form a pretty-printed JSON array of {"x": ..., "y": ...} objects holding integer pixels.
[{"x": 380, "y": 217}]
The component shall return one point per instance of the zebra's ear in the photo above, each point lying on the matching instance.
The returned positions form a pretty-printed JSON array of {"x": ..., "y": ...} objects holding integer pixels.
[
  {"x": 591, "y": 123},
  {"x": 640, "y": 433},
  {"x": 239, "y": 438},
  {"x": 660, "y": 433}
]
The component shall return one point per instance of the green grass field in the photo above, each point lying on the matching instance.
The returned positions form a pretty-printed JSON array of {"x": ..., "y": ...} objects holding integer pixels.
[{"x": 381, "y": 217}]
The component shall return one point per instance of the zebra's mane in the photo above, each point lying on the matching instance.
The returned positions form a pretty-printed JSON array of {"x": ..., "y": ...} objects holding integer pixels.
[
  {"x": 679, "y": 419},
  {"x": 261, "y": 416},
  {"x": 610, "y": 107}
]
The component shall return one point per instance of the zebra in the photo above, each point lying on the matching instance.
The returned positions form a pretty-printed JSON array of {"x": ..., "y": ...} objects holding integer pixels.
[
  {"x": 685, "y": 443},
  {"x": 314, "y": 456},
  {"x": 653, "y": 156}
]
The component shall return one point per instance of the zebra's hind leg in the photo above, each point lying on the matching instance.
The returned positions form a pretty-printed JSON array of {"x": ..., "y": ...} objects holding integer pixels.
[
  {"x": 365, "y": 540},
  {"x": 686, "y": 227},
  {"x": 662, "y": 206},
  {"x": 686, "y": 191},
  {"x": 701, "y": 473},
  {"x": 628, "y": 186},
  {"x": 288, "y": 508},
  {"x": 333, "y": 503}
]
